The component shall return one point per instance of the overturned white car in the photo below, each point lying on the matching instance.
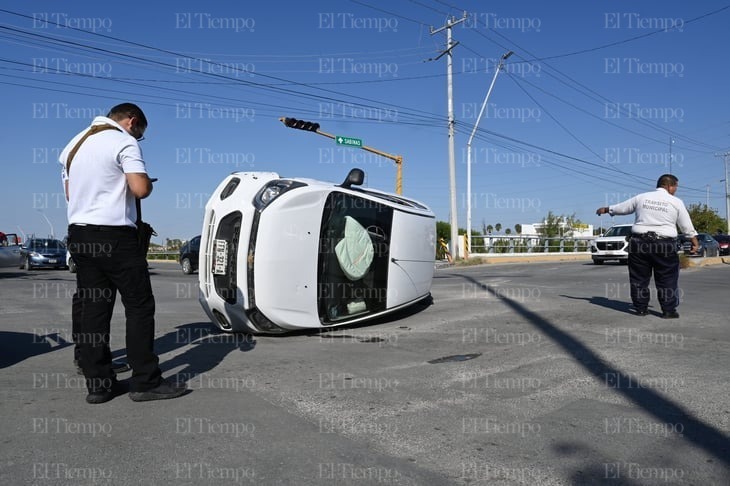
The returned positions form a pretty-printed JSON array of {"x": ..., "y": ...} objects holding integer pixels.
[{"x": 278, "y": 254}]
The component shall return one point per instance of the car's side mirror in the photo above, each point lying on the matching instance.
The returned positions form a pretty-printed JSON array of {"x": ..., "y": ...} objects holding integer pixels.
[{"x": 354, "y": 178}]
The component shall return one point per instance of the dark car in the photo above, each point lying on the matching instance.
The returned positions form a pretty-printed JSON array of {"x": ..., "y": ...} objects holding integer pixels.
[
  {"x": 724, "y": 242},
  {"x": 42, "y": 253},
  {"x": 189, "y": 255},
  {"x": 709, "y": 247}
]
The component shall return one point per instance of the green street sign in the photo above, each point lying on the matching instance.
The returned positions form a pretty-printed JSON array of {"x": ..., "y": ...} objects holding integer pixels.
[{"x": 352, "y": 142}]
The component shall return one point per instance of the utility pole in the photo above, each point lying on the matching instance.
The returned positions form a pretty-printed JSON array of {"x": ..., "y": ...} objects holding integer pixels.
[
  {"x": 452, "y": 160},
  {"x": 671, "y": 141},
  {"x": 726, "y": 157}
]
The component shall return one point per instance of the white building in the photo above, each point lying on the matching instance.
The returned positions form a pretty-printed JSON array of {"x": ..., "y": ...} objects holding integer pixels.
[{"x": 578, "y": 229}]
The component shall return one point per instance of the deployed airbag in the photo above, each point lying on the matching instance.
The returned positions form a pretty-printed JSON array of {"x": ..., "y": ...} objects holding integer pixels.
[{"x": 355, "y": 251}]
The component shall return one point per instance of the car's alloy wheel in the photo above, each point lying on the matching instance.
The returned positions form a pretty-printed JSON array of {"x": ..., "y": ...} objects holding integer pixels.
[
  {"x": 27, "y": 265},
  {"x": 187, "y": 268}
]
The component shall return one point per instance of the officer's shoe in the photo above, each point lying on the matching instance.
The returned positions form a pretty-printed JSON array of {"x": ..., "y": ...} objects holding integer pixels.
[
  {"x": 103, "y": 395},
  {"x": 163, "y": 391},
  {"x": 670, "y": 314},
  {"x": 642, "y": 312}
]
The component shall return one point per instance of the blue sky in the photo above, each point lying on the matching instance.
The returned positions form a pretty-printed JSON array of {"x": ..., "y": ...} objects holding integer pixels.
[{"x": 584, "y": 114}]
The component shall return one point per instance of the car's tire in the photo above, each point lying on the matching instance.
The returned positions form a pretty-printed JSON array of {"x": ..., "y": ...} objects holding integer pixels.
[
  {"x": 187, "y": 267},
  {"x": 71, "y": 265},
  {"x": 597, "y": 262},
  {"x": 27, "y": 265},
  {"x": 703, "y": 253}
]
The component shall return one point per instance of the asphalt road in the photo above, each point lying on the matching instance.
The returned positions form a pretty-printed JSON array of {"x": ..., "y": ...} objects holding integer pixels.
[{"x": 515, "y": 374}]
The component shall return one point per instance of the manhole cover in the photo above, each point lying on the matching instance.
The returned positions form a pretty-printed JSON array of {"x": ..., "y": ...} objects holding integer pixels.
[{"x": 456, "y": 357}]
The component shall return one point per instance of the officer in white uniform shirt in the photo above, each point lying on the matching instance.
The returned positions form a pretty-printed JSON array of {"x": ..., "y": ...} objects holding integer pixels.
[
  {"x": 653, "y": 244},
  {"x": 103, "y": 173}
]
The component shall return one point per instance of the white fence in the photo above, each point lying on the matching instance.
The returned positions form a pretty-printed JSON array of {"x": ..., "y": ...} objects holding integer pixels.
[{"x": 482, "y": 245}]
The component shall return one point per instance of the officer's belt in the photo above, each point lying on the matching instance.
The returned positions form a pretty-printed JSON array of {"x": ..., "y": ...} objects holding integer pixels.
[{"x": 652, "y": 236}]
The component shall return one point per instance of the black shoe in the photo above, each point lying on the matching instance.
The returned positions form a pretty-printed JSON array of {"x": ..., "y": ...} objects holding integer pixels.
[
  {"x": 642, "y": 312},
  {"x": 103, "y": 395},
  {"x": 162, "y": 391},
  {"x": 670, "y": 315}
]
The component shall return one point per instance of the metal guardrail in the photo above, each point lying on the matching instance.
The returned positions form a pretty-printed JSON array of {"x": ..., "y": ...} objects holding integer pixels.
[{"x": 515, "y": 244}]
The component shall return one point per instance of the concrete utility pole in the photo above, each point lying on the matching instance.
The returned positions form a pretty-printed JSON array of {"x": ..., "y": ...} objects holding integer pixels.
[
  {"x": 726, "y": 157},
  {"x": 452, "y": 160}
]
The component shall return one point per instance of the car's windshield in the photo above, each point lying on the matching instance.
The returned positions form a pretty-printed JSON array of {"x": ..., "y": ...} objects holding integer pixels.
[
  {"x": 618, "y": 231},
  {"x": 353, "y": 257},
  {"x": 46, "y": 244}
]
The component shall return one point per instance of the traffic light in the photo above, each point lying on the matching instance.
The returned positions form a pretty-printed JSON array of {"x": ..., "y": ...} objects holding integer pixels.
[{"x": 301, "y": 124}]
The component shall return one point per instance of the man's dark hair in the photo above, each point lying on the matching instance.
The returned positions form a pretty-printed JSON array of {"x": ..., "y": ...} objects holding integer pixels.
[
  {"x": 667, "y": 180},
  {"x": 128, "y": 110}
]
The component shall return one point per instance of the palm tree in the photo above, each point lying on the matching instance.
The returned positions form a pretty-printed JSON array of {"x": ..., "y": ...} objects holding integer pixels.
[
  {"x": 489, "y": 228},
  {"x": 498, "y": 227}
]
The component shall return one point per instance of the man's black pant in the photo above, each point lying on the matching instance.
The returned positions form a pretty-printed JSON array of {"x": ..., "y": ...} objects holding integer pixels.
[
  {"x": 660, "y": 257},
  {"x": 108, "y": 260}
]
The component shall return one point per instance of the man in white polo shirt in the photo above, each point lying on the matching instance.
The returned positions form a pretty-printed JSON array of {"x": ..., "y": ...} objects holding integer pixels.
[
  {"x": 103, "y": 173},
  {"x": 653, "y": 244}
]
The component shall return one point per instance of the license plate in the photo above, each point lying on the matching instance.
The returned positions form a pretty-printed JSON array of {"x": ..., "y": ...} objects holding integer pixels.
[
  {"x": 51, "y": 260},
  {"x": 220, "y": 257}
]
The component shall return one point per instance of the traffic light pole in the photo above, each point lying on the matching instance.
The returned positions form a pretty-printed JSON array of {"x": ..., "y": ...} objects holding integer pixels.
[{"x": 314, "y": 127}]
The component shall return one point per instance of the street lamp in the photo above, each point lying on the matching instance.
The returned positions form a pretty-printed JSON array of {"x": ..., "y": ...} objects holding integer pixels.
[
  {"x": 468, "y": 148},
  {"x": 53, "y": 233}
]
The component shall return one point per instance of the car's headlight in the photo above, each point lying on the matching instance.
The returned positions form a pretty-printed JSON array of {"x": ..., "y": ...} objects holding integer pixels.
[
  {"x": 272, "y": 190},
  {"x": 35, "y": 254}
]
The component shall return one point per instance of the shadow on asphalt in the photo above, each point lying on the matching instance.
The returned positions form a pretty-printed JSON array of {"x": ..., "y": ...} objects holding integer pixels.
[
  {"x": 206, "y": 347},
  {"x": 604, "y": 302},
  {"x": 19, "y": 346},
  {"x": 710, "y": 439}
]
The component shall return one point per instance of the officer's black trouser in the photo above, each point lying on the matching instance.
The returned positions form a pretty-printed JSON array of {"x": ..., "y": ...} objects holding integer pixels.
[
  {"x": 660, "y": 257},
  {"x": 108, "y": 260}
]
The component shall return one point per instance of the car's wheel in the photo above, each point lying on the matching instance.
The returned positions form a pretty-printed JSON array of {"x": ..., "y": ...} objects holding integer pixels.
[
  {"x": 187, "y": 267},
  {"x": 71, "y": 265},
  {"x": 597, "y": 262},
  {"x": 703, "y": 253},
  {"x": 27, "y": 264}
]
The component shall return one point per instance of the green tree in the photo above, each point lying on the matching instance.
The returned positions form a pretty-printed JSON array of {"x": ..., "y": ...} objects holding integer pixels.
[
  {"x": 508, "y": 231},
  {"x": 443, "y": 230},
  {"x": 518, "y": 229},
  {"x": 489, "y": 228},
  {"x": 706, "y": 219},
  {"x": 498, "y": 227}
]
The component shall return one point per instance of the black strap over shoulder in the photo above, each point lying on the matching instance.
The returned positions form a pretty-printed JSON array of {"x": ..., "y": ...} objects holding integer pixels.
[{"x": 94, "y": 129}]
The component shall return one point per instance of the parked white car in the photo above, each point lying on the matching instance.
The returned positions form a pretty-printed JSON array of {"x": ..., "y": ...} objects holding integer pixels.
[
  {"x": 280, "y": 254},
  {"x": 613, "y": 245}
]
